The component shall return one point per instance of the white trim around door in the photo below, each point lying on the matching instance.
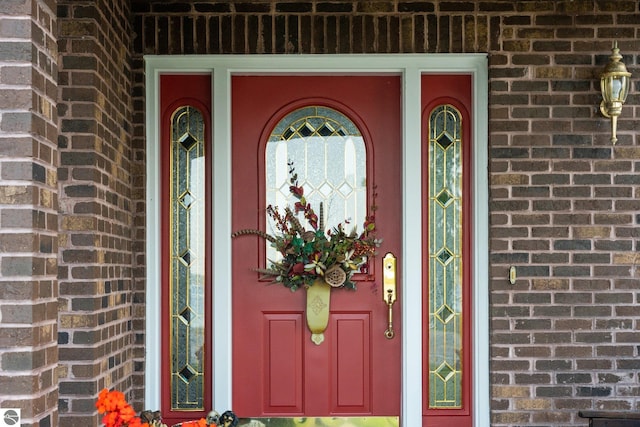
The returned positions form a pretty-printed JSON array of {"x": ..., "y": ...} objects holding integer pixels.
[{"x": 410, "y": 67}]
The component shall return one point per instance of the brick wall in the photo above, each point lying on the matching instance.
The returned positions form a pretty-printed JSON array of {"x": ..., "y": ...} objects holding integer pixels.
[
  {"x": 28, "y": 211},
  {"x": 564, "y": 202},
  {"x": 96, "y": 220},
  {"x": 564, "y": 206}
]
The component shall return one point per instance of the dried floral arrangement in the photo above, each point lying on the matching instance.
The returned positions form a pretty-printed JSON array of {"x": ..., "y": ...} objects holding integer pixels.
[{"x": 334, "y": 255}]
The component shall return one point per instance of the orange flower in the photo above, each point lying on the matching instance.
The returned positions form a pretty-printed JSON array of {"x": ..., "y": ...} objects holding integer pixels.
[
  {"x": 118, "y": 413},
  {"x": 110, "y": 419},
  {"x": 199, "y": 423},
  {"x": 127, "y": 413},
  {"x": 136, "y": 422}
]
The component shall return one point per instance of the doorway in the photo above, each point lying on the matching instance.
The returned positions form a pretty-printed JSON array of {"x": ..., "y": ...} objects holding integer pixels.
[{"x": 406, "y": 74}]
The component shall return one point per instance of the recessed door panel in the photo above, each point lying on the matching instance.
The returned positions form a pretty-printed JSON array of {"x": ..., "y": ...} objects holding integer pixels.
[
  {"x": 352, "y": 362},
  {"x": 283, "y": 370}
]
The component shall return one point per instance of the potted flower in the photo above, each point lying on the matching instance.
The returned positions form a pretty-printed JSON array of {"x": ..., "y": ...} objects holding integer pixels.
[{"x": 118, "y": 413}]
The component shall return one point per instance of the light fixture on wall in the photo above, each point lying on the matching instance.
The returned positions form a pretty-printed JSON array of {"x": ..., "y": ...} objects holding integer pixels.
[{"x": 614, "y": 84}]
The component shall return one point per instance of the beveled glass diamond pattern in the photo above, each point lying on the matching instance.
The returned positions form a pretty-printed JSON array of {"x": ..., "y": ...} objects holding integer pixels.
[
  {"x": 326, "y": 130},
  {"x": 445, "y": 256},
  {"x": 306, "y": 130},
  {"x": 445, "y": 371},
  {"x": 288, "y": 133},
  {"x": 444, "y": 140},
  {"x": 186, "y": 314},
  {"x": 345, "y": 189},
  {"x": 187, "y": 258},
  {"x": 187, "y": 200},
  {"x": 445, "y": 314},
  {"x": 326, "y": 190},
  {"x": 284, "y": 188},
  {"x": 444, "y": 198},
  {"x": 314, "y": 125},
  {"x": 187, "y": 141},
  {"x": 187, "y": 373}
]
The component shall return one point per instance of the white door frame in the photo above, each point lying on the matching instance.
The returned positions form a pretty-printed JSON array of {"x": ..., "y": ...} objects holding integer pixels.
[{"x": 410, "y": 67}]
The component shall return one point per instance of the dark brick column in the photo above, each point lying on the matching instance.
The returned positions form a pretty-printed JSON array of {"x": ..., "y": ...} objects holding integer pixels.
[
  {"x": 28, "y": 211},
  {"x": 95, "y": 253}
]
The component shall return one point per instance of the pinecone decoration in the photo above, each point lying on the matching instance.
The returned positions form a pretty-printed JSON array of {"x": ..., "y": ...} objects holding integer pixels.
[{"x": 335, "y": 276}]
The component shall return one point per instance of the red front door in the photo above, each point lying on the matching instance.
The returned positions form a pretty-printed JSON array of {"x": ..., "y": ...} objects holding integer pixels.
[{"x": 277, "y": 369}]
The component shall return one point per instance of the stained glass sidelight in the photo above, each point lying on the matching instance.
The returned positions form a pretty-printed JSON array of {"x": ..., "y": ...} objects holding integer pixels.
[
  {"x": 445, "y": 258},
  {"x": 329, "y": 155},
  {"x": 187, "y": 268}
]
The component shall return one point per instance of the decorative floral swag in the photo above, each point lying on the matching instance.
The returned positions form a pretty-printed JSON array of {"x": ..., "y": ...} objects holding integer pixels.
[{"x": 311, "y": 254}]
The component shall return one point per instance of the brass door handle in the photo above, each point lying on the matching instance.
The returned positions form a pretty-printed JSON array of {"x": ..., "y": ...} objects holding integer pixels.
[{"x": 389, "y": 294}]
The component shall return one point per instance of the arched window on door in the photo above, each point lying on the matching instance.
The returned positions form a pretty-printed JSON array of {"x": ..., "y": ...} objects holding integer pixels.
[{"x": 329, "y": 155}]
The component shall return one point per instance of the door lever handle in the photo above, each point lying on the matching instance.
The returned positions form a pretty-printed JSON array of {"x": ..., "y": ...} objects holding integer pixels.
[
  {"x": 390, "y": 333},
  {"x": 389, "y": 289}
]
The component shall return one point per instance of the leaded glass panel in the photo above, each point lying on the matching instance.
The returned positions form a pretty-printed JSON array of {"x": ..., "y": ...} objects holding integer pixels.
[
  {"x": 329, "y": 156},
  {"x": 187, "y": 268},
  {"x": 445, "y": 258}
]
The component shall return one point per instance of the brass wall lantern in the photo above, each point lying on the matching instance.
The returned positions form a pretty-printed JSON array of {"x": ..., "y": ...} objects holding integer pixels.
[{"x": 614, "y": 84}]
